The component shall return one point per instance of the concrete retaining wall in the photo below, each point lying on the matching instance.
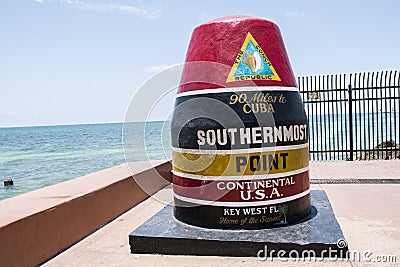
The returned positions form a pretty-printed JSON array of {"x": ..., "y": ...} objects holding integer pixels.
[{"x": 38, "y": 225}]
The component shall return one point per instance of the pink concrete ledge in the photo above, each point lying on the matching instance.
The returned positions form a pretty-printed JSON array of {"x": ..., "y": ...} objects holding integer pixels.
[{"x": 38, "y": 225}]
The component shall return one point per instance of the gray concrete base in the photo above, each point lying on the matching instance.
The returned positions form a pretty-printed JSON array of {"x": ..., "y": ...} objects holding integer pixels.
[{"x": 317, "y": 235}]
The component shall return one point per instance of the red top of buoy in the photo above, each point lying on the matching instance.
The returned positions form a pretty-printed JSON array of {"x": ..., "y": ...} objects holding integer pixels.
[
  {"x": 237, "y": 51},
  {"x": 233, "y": 18}
]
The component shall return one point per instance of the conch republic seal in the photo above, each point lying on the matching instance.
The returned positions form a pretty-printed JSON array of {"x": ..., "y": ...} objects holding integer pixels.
[{"x": 239, "y": 130}]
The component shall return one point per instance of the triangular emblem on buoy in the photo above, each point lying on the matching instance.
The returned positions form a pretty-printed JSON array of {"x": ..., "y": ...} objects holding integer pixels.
[{"x": 252, "y": 63}]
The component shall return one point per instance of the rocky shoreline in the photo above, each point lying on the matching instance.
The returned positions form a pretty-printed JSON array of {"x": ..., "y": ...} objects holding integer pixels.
[{"x": 387, "y": 150}]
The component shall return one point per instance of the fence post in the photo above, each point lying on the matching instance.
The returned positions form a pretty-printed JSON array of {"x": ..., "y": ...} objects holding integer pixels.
[{"x": 351, "y": 122}]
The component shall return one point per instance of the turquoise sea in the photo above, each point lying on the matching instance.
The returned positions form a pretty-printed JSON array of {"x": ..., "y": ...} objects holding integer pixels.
[{"x": 35, "y": 157}]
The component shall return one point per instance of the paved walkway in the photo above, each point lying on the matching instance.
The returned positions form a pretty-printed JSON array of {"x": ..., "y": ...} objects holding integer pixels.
[
  {"x": 367, "y": 213},
  {"x": 379, "y": 169}
]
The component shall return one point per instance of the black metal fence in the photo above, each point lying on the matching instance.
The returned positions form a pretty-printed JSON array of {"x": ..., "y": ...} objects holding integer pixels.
[{"x": 353, "y": 117}]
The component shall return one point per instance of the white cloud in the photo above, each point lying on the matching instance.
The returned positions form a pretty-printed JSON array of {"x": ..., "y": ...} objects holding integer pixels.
[
  {"x": 133, "y": 10},
  {"x": 295, "y": 14},
  {"x": 142, "y": 11},
  {"x": 8, "y": 113},
  {"x": 157, "y": 68}
]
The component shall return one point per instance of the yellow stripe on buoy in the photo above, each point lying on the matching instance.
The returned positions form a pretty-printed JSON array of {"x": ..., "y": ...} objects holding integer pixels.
[{"x": 258, "y": 163}]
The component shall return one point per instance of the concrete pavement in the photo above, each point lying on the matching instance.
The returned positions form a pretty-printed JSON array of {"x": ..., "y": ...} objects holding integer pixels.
[{"x": 367, "y": 213}]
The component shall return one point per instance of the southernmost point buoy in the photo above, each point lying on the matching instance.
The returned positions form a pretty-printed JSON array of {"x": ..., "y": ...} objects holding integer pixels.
[{"x": 239, "y": 130}]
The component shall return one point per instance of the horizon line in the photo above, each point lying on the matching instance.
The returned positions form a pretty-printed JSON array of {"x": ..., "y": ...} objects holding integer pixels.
[{"x": 76, "y": 124}]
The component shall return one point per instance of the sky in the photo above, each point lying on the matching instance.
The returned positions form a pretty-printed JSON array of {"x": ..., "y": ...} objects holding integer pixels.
[{"x": 76, "y": 61}]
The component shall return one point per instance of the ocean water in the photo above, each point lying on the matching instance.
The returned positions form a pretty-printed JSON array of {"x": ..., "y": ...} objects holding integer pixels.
[
  {"x": 35, "y": 157},
  {"x": 330, "y": 133}
]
